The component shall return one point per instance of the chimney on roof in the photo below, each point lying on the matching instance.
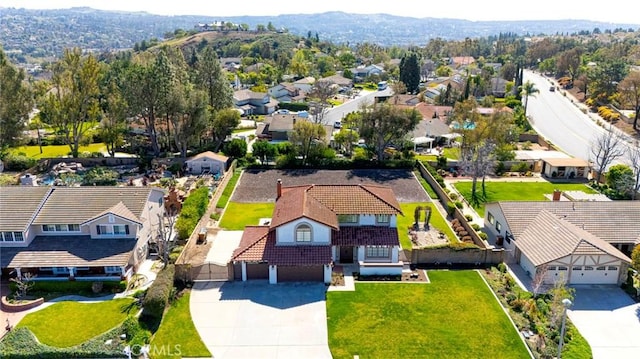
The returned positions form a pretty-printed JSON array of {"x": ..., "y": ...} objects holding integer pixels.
[
  {"x": 556, "y": 194},
  {"x": 278, "y": 189}
]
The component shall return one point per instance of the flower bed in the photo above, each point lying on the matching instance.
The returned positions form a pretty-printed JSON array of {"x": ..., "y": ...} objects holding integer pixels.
[{"x": 21, "y": 305}]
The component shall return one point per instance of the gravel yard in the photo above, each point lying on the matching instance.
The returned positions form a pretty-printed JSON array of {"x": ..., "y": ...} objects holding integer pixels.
[{"x": 260, "y": 185}]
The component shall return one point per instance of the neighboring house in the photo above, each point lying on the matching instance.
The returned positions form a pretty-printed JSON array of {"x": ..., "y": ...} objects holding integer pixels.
[
  {"x": 565, "y": 168},
  {"x": 362, "y": 72},
  {"x": 584, "y": 242},
  {"x": 77, "y": 233},
  {"x": 278, "y": 126},
  {"x": 286, "y": 92},
  {"x": 405, "y": 100},
  {"x": 338, "y": 80},
  {"x": 305, "y": 84},
  {"x": 315, "y": 226},
  {"x": 498, "y": 86},
  {"x": 460, "y": 61},
  {"x": 254, "y": 103},
  {"x": 231, "y": 64},
  {"x": 254, "y": 68},
  {"x": 207, "y": 163}
]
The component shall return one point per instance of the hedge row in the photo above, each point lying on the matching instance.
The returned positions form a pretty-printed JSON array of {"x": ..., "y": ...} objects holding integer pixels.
[
  {"x": 608, "y": 114},
  {"x": 20, "y": 343},
  {"x": 84, "y": 288},
  {"x": 18, "y": 162},
  {"x": 157, "y": 297},
  {"x": 193, "y": 209}
]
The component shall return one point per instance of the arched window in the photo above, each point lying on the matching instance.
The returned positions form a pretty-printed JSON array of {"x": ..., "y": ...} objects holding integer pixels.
[{"x": 303, "y": 233}]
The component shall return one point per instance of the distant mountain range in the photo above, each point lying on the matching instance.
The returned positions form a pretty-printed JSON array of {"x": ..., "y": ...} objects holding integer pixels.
[{"x": 42, "y": 33}]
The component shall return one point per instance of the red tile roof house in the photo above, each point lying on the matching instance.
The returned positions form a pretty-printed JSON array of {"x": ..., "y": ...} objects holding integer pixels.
[
  {"x": 315, "y": 226},
  {"x": 77, "y": 233}
]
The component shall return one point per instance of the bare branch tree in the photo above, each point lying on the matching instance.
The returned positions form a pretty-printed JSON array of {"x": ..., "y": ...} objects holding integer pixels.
[
  {"x": 538, "y": 279},
  {"x": 23, "y": 284},
  {"x": 322, "y": 91},
  {"x": 606, "y": 148},
  {"x": 165, "y": 242},
  {"x": 634, "y": 159}
]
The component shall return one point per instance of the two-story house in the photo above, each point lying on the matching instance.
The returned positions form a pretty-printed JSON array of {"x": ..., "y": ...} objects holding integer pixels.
[
  {"x": 315, "y": 226},
  {"x": 77, "y": 233},
  {"x": 254, "y": 103},
  {"x": 286, "y": 92},
  {"x": 582, "y": 242}
]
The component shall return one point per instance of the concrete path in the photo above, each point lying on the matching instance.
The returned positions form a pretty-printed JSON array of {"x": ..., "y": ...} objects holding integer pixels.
[
  {"x": 257, "y": 320},
  {"x": 608, "y": 319},
  {"x": 224, "y": 243}
]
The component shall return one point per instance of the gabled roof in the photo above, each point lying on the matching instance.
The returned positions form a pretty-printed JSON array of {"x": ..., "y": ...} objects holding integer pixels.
[
  {"x": 259, "y": 245},
  {"x": 71, "y": 205},
  {"x": 19, "y": 205},
  {"x": 306, "y": 81},
  {"x": 119, "y": 210},
  {"x": 567, "y": 162},
  {"x": 210, "y": 155},
  {"x": 246, "y": 94},
  {"x": 338, "y": 80},
  {"x": 323, "y": 203},
  {"x": 548, "y": 238},
  {"x": 614, "y": 221}
]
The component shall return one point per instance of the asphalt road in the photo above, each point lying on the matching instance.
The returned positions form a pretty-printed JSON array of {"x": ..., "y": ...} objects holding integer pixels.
[
  {"x": 560, "y": 121},
  {"x": 338, "y": 113}
]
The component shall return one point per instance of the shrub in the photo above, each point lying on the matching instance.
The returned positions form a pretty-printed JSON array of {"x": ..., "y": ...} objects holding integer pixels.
[
  {"x": 475, "y": 226},
  {"x": 100, "y": 176},
  {"x": 521, "y": 167},
  {"x": 453, "y": 196},
  {"x": 502, "y": 267},
  {"x": 483, "y": 236},
  {"x": 500, "y": 168},
  {"x": 18, "y": 162},
  {"x": 451, "y": 207},
  {"x": 468, "y": 217},
  {"x": 458, "y": 204},
  {"x": 194, "y": 206},
  {"x": 85, "y": 288},
  {"x": 157, "y": 297}
]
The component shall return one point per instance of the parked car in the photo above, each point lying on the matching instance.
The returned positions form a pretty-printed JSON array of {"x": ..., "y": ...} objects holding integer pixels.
[{"x": 552, "y": 88}]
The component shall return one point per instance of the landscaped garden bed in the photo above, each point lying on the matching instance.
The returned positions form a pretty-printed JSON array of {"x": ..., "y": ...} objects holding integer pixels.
[{"x": 417, "y": 275}]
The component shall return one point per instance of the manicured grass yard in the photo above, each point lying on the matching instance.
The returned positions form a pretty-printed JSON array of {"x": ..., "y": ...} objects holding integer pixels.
[
  {"x": 406, "y": 221},
  {"x": 177, "y": 329},
  {"x": 56, "y": 151},
  {"x": 517, "y": 191},
  {"x": 238, "y": 215},
  {"x": 455, "y": 316},
  {"x": 228, "y": 190},
  {"x": 66, "y": 324},
  {"x": 452, "y": 153}
]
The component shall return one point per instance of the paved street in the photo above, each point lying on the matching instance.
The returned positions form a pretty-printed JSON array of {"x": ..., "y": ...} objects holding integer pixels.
[
  {"x": 366, "y": 97},
  {"x": 559, "y": 120}
]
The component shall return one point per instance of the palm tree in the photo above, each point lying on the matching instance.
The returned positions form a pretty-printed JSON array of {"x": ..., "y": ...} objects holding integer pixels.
[{"x": 528, "y": 89}]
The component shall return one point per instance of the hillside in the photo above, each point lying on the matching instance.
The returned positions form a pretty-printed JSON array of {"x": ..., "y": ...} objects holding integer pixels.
[{"x": 34, "y": 35}]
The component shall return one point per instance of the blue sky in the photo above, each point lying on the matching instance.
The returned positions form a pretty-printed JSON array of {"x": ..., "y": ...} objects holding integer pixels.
[{"x": 616, "y": 11}]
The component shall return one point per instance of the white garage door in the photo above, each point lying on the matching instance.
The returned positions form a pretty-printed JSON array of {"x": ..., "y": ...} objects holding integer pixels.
[{"x": 594, "y": 275}]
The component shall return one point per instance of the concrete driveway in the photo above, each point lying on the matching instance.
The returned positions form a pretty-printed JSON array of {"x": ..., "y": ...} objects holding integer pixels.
[
  {"x": 257, "y": 320},
  {"x": 609, "y": 319}
]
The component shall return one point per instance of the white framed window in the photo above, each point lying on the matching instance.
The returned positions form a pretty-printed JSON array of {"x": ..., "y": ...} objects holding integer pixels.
[
  {"x": 112, "y": 269},
  {"x": 498, "y": 227},
  {"x": 601, "y": 268},
  {"x": 303, "y": 233},
  {"x": 348, "y": 218},
  {"x": 18, "y": 237},
  {"x": 612, "y": 268},
  {"x": 74, "y": 227},
  {"x": 491, "y": 218},
  {"x": 119, "y": 229},
  {"x": 48, "y": 227},
  {"x": 377, "y": 252},
  {"x": 7, "y": 236},
  {"x": 383, "y": 218},
  {"x": 104, "y": 230},
  {"x": 60, "y": 270},
  {"x": 112, "y": 229},
  {"x": 62, "y": 228}
]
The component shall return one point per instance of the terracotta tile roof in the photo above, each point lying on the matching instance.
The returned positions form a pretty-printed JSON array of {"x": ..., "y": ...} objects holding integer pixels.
[
  {"x": 549, "y": 237},
  {"x": 19, "y": 205},
  {"x": 365, "y": 236},
  {"x": 613, "y": 221},
  {"x": 296, "y": 203},
  {"x": 209, "y": 154},
  {"x": 119, "y": 210},
  {"x": 568, "y": 162},
  {"x": 258, "y": 244},
  {"x": 252, "y": 243},
  {"x": 356, "y": 199},
  {"x": 64, "y": 251},
  {"x": 70, "y": 205}
]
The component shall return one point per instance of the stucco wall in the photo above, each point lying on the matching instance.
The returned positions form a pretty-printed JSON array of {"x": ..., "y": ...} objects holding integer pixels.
[{"x": 321, "y": 234}]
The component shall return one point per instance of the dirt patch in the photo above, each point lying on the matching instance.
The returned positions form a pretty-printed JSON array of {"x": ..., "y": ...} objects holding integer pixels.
[{"x": 259, "y": 186}]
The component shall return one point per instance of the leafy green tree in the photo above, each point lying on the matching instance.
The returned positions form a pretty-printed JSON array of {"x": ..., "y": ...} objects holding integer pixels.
[
  {"x": 113, "y": 125},
  {"x": 191, "y": 118},
  {"x": 382, "y": 124},
  {"x": 305, "y": 136},
  {"x": 15, "y": 103},
  {"x": 410, "y": 72},
  {"x": 100, "y": 176},
  {"x": 73, "y": 105},
  {"x": 621, "y": 178},
  {"x": 629, "y": 90},
  {"x": 346, "y": 138},
  {"x": 264, "y": 150},
  {"x": 236, "y": 148},
  {"x": 210, "y": 77},
  {"x": 635, "y": 257},
  {"x": 223, "y": 124}
]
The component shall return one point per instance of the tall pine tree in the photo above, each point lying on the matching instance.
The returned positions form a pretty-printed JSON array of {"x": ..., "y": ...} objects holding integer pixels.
[{"x": 410, "y": 72}]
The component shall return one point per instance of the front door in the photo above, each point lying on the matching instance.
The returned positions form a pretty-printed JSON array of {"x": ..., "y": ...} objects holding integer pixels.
[{"x": 346, "y": 254}]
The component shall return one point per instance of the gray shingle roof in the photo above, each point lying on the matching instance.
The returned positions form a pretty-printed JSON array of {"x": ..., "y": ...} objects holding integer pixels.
[
  {"x": 67, "y": 251},
  {"x": 614, "y": 221},
  {"x": 18, "y": 205}
]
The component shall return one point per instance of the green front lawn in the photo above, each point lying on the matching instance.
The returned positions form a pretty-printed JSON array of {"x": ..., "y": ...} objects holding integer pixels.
[
  {"x": 452, "y": 153},
  {"x": 66, "y": 324},
  {"x": 405, "y": 222},
  {"x": 177, "y": 334},
  {"x": 516, "y": 191},
  {"x": 228, "y": 190},
  {"x": 455, "y": 316},
  {"x": 238, "y": 215},
  {"x": 54, "y": 151}
]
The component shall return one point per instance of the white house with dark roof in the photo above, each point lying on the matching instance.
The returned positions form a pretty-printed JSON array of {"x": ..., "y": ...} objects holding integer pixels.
[
  {"x": 82, "y": 233},
  {"x": 315, "y": 226},
  {"x": 584, "y": 242},
  {"x": 207, "y": 162}
]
